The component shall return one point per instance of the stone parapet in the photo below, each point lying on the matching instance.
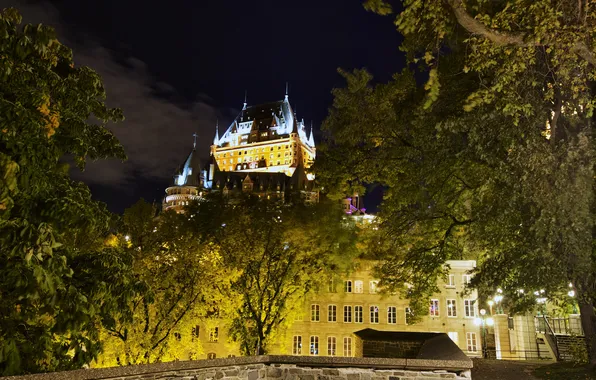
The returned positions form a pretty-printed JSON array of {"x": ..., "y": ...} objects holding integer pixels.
[{"x": 274, "y": 368}]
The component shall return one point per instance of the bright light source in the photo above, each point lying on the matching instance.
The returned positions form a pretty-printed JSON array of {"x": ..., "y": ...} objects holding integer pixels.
[
  {"x": 536, "y": 293},
  {"x": 541, "y": 300},
  {"x": 477, "y": 321},
  {"x": 490, "y": 302},
  {"x": 521, "y": 291},
  {"x": 490, "y": 321},
  {"x": 482, "y": 311},
  {"x": 127, "y": 238},
  {"x": 570, "y": 285},
  {"x": 499, "y": 290},
  {"x": 541, "y": 291},
  {"x": 571, "y": 293},
  {"x": 498, "y": 298}
]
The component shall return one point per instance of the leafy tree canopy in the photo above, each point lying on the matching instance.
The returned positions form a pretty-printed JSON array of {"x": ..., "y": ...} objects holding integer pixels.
[
  {"x": 282, "y": 252},
  {"x": 58, "y": 279}
]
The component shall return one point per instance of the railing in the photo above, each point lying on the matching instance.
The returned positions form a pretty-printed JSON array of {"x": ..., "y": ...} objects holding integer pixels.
[{"x": 566, "y": 326}]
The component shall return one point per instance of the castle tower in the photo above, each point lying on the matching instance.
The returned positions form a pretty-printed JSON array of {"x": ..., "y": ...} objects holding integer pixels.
[{"x": 188, "y": 183}]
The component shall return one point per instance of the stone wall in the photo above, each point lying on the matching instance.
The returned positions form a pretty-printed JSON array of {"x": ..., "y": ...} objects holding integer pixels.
[{"x": 275, "y": 368}]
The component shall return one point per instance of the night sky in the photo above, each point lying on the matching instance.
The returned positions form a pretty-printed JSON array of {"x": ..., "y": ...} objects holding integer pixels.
[{"x": 176, "y": 67}]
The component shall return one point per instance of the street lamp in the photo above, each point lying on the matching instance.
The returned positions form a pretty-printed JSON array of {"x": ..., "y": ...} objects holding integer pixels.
[
  {"x": 490, "y": 306},
  {"x": 483, "y": 321}
]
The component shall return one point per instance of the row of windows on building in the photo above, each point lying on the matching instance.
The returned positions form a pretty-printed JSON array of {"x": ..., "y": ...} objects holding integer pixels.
[
  {"x": 355, "y": 314},
  {"x": 313, "y": 347},
  {"x": 357, "y": 286},
  {"x": 257, "y": 150}
]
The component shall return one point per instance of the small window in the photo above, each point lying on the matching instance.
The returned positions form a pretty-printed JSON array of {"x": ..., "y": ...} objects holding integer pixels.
[
  {"x": 451, "y": 308},
  {"x": 358, "y": 314},
  {"x": 347, "y": 314},
  {"x": 450, "y": 281},
  {"x": 297, "y": 345},
  {"x": 314, "y": 345},
  {"x": 211, "y": 355},
  {"x": 315, "y": 315},
  {"x": 409, "y": 316},
  {"x": 214, "y": 334},
  {"x": 358, "y": 286},
  {"x": 392, "y": 315},
  {"x": 348, "y": 286},
  {"x": 466, "y": 278},
  {"x": 196, "y": 331},
  {"x": 471, "y": 340},
  {"x": 332, "y": 313},
  {"x": 347, "y": 346},
  {"x": 372, "y": 286},
  {"x": 374, "y": 314},
  {"x": 331, "y": 346},
  {"x": 469, "y": 308},
  {"x": 331, "y": 286},
  {"x": 434, "y": 308}
]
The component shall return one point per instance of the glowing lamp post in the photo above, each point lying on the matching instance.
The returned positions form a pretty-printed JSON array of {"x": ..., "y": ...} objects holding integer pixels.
[{"x": 483, "y": 321}]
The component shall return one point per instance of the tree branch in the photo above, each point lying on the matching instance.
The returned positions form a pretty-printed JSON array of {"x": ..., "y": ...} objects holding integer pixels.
[{"x": 502, "y": 39}]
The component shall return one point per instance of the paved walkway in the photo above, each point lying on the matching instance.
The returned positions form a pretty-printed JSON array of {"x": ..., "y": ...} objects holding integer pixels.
[{"x": 485, "y": 369}]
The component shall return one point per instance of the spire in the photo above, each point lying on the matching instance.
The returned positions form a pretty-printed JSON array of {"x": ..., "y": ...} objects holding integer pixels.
[
  {"x": 194, "y": 144},
  {"x": 286, "y": 98},
  {"x": 311, "y": 138},
  {"x": 245, "y": 96},
  {"x": 216, "y": 137}
]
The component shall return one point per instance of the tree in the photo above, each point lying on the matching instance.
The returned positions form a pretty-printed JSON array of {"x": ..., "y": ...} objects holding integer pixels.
[
  {"x": 283, "y": 251},
  {"x": 496, "y": 159},
  {"x": 58, "y": 280},
  {"x": 185, "y": 279}
]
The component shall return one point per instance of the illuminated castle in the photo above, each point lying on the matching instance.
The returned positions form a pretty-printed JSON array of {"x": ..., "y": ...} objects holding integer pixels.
[{"x": 265, "y": 151}]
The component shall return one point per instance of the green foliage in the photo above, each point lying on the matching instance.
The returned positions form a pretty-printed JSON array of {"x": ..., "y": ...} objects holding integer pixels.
[
  {"x": 58, "y": 281},
  {"x": 186, "y": 281},
  {"x": 282, "y": 252}
]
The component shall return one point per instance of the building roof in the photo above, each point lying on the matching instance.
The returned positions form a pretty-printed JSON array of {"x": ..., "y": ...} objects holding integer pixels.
[
  {"x": 189, "y": 173},
  {"x": 276, "y": 118},
  {"x": 435, "y": 346}
]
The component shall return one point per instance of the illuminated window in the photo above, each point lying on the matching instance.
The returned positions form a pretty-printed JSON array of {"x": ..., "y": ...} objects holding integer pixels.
[
  {"x": 297, "y": 345},
  {"x": 331, "y": 346},
  {"x": 348, "y": 286},
  {"x": 471, "y": 340},
  {"x": 451, "y": 308},
  {"x": 358, "y": 314},
  {"x": 347, "y": 314},
  {"x": 347, "y": 346},
  {"x": 450, "y": 281},
  {"x": 358, "y": 286},
  {"x": 332, "y": 313},
  {"x": 372, "y": 286},
  {"x": 433, "y": 308},
  {"x": 331, "y": 288},
  {"x": 469, "y": 308},
  {"x": 392, "y": 315},
  {"x": 374, "y": 314},
  {"x": 314, "y": 345},
  {"x": 315, "y": 315}
]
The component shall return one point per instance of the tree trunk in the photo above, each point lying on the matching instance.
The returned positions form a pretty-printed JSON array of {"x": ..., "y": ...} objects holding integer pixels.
[{"x": 588, "y": 318}]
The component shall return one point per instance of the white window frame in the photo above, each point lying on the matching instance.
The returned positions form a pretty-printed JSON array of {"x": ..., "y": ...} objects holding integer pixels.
[
  {"x": 471, "y": 342},
  {"x": 391, "y": 315},
  {"x": 347, "y": 313},
  {"x": 372, "y": 286},
  {"x": 348, "y": 346},
  {"x": 331, "y": 346},
  {"x": 332, "y": 313},
  {"x": 450, "y": 281},
  {"x": 358, "y": 286},
  {"x": 465, "y": 279},
  {"x": 469, "y": 308},
  {"x": 315, "y": 313},
  {"x": 297, "y": 345},
  {"x": 452, "y": 308},
  {"x": 373, "y": 314},
  {"x": 433, "y": 308},
  {"x": 358, "y": 312},
  {"x": 313, "y": 348},
  {"x": 407, "y": 311},
  {"x": 348, "y": 286}
]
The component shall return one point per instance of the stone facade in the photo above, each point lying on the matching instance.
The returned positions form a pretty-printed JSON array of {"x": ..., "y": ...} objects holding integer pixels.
[{"x": 276, "y": 368}]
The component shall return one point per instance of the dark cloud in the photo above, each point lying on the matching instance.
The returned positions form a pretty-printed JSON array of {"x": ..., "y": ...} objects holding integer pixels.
[{"x": 157, "y": 132}]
